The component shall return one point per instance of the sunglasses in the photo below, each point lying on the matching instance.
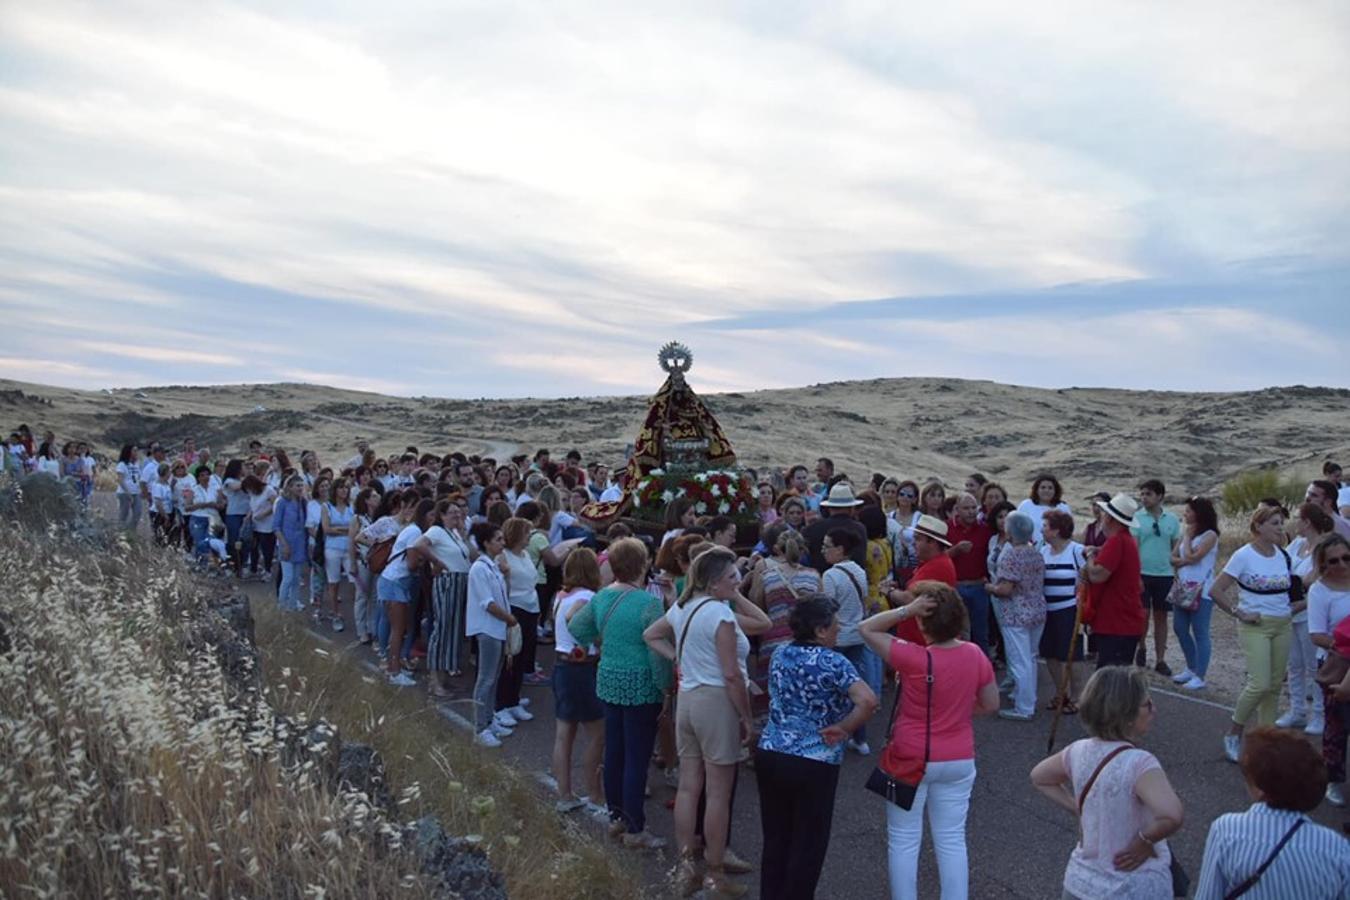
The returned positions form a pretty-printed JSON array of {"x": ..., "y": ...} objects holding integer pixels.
[
  {"x": 910, "y": 494},
  {"x": 1157, "y": 532}
]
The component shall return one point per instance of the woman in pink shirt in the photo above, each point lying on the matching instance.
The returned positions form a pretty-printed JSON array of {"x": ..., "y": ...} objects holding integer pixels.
[{"x": 963, "y": 686}]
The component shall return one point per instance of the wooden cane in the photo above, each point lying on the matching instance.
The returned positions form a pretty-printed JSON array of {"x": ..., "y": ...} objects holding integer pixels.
[{"x": 1063, "y": 695}]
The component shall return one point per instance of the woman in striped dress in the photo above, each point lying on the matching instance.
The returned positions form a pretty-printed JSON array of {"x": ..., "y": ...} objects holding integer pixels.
[
  {"x": 449, "y": 592},
  {"x": 1064, "y": 559},
  {"x": 781, "y": 583}
]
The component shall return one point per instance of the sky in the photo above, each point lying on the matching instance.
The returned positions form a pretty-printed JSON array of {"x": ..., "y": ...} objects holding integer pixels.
[{"x": 504, "y": 199}]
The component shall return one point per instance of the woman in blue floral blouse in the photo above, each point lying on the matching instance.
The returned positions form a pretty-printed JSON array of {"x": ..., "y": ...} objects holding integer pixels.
[{"x": 816, "y": 700}]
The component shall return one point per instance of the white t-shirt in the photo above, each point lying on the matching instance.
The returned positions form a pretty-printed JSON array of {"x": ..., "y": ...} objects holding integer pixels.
[
  {"x": 563, "y": 641},
  {"x": 697, "y": 655},
  {"x": 487, "y": 588},
  {"x": 161, "y": 495},
  {"x": 182, "y": 493},
  {"x": 1037, "y": 511},
  {"x": 1202, "y": 571},
  {"x": 90, "y": 466},
  {"x": 201, "y": 494},
  {"x": 1326, "y": 608},
  {"x": 237, "y": 500},
  {"x": 128, "y": 478},
  {"x": 521, "y": 580},
  {"x": 561, "y": 520},
  {"x": 1254, "y": 572},
  {"x": 150, "y": 472},
  {"x": 49, "y": 466},
  {"x": 398, "y": 556},
  {"x": 313, "y": 514},
  {"x": 262, "y": 507},
  {"x": 450, "y": 549},
  {"x": 611, "y": 494},
  {"x": 1343, "y": 497}
]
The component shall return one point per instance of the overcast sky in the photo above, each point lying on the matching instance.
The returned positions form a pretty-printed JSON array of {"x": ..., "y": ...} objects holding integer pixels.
[{"x": 501, "y": 199}]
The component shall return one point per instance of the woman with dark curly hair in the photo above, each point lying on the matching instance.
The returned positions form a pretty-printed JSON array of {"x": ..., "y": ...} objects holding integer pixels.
[{"x": 1046, "y": 494}]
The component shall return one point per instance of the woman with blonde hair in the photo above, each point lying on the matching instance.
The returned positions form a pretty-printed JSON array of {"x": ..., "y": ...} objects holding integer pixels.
[
  {"x": 944, "y": 683},
  {"x": 1254, "y": 589},
  {"x": 779, "y": 583},
  {"x": 1124, "y": 803},
  {"x": 576, "y": 706},
  {"x": 706, "y": 635}
]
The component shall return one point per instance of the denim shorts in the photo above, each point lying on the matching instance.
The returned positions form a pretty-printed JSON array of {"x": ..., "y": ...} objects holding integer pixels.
[
  {"x": 574, "y": 692},
  {"x": 394, "y": 590}
]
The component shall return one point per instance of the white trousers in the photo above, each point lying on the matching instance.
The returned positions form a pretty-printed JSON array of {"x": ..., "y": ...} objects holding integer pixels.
[
  {"x": 1302, "y": 672},
  {"x": 1020, "y": 646},
  {"x": 945, "y": 791}
]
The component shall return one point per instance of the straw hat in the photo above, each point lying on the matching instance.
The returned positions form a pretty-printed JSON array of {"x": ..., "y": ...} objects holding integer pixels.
[
  {"x": 933, "y": 527},
  {"x": 1121, "y": 507},
  {"x": 841, "y": 495}
]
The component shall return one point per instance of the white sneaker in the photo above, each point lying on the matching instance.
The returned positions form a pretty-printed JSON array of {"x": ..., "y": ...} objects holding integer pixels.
[
  {"x": 1335, "y": 794},
  {"x": 1291, "y": 719},
  {"x": 1183, "y": 676},
  {"x": 859, "y": 747},
  {"x": 337, "y": 624},
  {"x": 504, "y": 717},
  {"x": 486, "y": 738},
  {"x": 524, "y": 701},
  {"x": 1195, "y": 684},
  {"x": 1316, "y": 726},
  {"x": 402, "y": 679},
  {"x": 567, "y": 804},
  {"x": 500, "y": 730},
  {"x": 520, "y": 714},
  {"x": 1232, "y": 747}
]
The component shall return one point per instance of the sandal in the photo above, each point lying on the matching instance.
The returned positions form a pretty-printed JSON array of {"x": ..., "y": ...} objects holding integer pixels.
[{"x": 1069, "y": 708}]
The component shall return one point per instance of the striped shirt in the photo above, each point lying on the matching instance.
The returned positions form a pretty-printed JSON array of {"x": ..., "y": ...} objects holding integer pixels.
[
  {"x": 1314, "y": 864},
  {"x": 1061, "y": 575}
]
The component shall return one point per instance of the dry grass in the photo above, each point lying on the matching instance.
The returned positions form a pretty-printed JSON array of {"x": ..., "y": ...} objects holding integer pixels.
[
  {"x": 132, "y": 768},
  {"x": 540, "y": 854}
]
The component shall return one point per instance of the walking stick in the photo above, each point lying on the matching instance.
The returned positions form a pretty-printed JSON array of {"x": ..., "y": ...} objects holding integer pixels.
[{"x": 1063, "y": 695}]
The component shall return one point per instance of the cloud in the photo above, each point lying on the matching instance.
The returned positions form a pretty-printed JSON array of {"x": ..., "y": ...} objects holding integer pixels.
[{"x": 514, "y": 194}]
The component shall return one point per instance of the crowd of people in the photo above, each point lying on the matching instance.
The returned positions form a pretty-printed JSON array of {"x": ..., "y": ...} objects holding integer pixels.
[{"x": 699, "y": 651}]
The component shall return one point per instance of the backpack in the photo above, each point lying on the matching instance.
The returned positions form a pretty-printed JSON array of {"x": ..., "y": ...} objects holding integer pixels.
[{"x": 379, "y": 556}]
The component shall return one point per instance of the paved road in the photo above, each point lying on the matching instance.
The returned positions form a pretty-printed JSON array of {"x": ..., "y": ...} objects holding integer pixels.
[{"x": 1018, "y": 841}]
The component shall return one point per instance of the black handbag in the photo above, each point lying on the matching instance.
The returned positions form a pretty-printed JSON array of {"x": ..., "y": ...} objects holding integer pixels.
[{"x": 896, "y": 790}]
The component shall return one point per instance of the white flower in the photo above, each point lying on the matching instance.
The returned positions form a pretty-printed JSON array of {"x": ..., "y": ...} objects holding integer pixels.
[
  {"x": 700, "y": 507},
  {"x": 657, "y": 471},
  {"x": 701, "y": 477},
  {"x": 715, "y": 490},
  {"x": 723, "y": 508},
  {"x": 667, "y": 495}
]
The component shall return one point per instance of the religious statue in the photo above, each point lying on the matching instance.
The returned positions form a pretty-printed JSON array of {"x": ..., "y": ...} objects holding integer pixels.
[{"x": 679, "y": 434}]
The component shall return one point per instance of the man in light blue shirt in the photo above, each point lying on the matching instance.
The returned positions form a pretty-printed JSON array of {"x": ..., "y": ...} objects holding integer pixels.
[{"x": 1157, "y": 532}]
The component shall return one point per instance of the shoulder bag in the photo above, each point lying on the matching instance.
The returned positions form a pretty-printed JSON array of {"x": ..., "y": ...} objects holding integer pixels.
[
  {"x": 901, "y": 791},
  {"x": 600, "y": 631},
  {"x": 1181, "y": 882},
  {"x": 1250, "y": 881},
  {"x": 1297, "y": 592}
]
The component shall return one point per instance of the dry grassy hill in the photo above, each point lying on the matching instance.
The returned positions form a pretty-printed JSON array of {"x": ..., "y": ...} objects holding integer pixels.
[{"x": 917, "y": 427}]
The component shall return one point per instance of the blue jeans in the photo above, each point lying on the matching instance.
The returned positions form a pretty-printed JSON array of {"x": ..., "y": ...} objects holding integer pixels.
[
  {"x": 288, "y": 595},
  {"x": 870, "y": 670},
  {"x": 977, "y": 605},
  {"x": 630, "y": 735},
  {"x": 200, "y": 529},
  {"x": 1192, "y": 630}
]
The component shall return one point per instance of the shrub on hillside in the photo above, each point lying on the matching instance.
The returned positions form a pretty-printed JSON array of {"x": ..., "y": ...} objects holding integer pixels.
[
  {"x": 39, "y": 500},
  {"x": 1243, "y": 492}
]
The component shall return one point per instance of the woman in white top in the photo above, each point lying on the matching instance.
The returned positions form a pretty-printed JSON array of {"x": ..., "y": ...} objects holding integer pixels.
[
  {"x": 1254, "y": 589},
  {"x": 1046, "y": 494},
  {"x": 366, "y": 510},
  {"x": 201, "y": 504},
  {"x": 1311, "y": 524},
  {"x": 397, "y": 582},
  {"x": 1124, "y": 803},
  {"x": 705, "y": 635},
  {"x": 236, "y": 511},
  {"x": 486, "y": 620},
  {"x": 319, "y": 495},
  {"x": 576, "y": 707},
  {"x": 521, "y": 577},
  {"x": 261, "y": 510},
  {"x": 448, "y": 542},
  {"x": 1328, "y": 606},
  {"x": 128, "y": 487},
  {"x": 335, "y": 518},
  {"x": 47, "y": 461},
  {"x": 1194, "y": 559}
]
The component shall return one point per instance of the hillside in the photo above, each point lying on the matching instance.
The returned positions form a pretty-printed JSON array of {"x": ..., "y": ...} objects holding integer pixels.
[{"x": 916, "y": 427}]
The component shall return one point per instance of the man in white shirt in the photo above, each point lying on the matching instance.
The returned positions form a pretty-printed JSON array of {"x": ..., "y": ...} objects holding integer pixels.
[
  {"x": 362, "y": 445},
  {"x": 150, "y": 474},
  {"x": 1326, "y": 494},
  {"x": 614, "y": 492}
]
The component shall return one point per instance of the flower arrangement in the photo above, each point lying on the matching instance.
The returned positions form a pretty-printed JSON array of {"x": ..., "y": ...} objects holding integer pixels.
[{"x": 716, "y": 492}]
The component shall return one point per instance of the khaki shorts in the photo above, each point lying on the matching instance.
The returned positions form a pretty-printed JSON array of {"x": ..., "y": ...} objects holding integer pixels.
[{"x": 707, "y": 726}]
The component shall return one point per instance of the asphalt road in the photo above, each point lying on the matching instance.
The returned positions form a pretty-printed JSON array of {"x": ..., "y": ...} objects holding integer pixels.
[{"x": 1018, "y": 841}]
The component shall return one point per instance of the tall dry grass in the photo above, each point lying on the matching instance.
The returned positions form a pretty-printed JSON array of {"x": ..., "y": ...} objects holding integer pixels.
[
  {"x": 470, "y": 790},
  {"x": 132, "y": 768}
]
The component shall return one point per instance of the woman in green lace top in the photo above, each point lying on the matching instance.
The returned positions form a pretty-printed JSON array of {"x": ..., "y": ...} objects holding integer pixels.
[{"x": 632, "y": 683}]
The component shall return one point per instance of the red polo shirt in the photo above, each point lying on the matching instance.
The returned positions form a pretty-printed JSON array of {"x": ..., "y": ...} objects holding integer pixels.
[
  {"x": 1116, "y": 600},
  {"x": 939, "y": 568},
  {"x": 971, "y": 566}
]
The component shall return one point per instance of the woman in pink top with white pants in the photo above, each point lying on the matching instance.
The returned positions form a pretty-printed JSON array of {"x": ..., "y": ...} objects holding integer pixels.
[{"x": 963, "y": 686}]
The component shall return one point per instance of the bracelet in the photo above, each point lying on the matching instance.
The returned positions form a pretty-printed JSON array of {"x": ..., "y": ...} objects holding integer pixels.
[{"x": 1146, "y": 840}]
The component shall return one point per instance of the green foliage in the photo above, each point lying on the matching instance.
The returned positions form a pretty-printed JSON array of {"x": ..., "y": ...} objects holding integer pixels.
[{"x": 1243, "y": 492}]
